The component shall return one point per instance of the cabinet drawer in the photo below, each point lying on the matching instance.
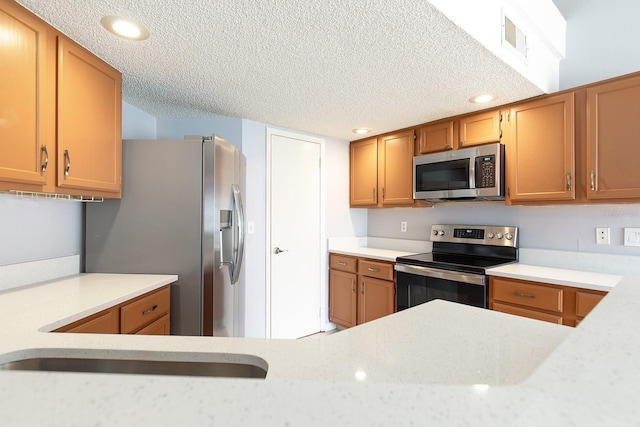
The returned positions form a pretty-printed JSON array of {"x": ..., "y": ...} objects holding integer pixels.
[
  {"x": 532, "y": 314},
  {"x": 105, "y": 322},
  {"x": 144, "y": 310},
  {"x": 380, "y": 270},
  {"x": 528, "y": 294},
  {"x": 343, "y": 263},
  {"x": 585, "y": 301}
]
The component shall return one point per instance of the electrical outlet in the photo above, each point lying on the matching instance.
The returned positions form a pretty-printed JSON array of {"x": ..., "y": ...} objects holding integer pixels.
[
  {"x": 603, "y": 235},
  {"x": 632, "y": 236},
  {"x": 251, "y": 227},
  {"x": 403, "y": 226}
]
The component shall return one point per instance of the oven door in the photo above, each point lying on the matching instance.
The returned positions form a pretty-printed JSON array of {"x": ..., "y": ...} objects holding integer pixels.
[{"x": 417, "y": 285}]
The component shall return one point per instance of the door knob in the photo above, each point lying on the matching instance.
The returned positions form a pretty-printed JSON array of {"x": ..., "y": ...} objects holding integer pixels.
[{"x": 277, "y": 250}]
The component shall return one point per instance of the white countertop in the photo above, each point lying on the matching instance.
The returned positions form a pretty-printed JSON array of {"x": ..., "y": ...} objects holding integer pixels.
[{"x": 421, "y": 365}]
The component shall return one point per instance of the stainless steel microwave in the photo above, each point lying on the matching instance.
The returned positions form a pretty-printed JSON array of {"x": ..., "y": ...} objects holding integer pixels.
[{"x": 475, "y": 173}]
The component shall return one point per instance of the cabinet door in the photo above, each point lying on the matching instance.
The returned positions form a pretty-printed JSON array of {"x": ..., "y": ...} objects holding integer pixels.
[
  {"x": 364, "y": 173},
  {"x": 586, "y": 301},
  {"x": 105, "y": 322},
  {"x": 541, "y": 150},
  {"x": 395, "y": 169},
  {"x": 144, "y": 310},
  {"x": 376, "y": 299},
  {"x": 613, "y": 150},
  {"x": 24, "y": 140},
  {"x": 481, "y": 128},
  {"x": 342, "y": 298},
  {"x": 162, "y": 326},
  {"x": 89, "y": 120},
  {"x": 434, "y": 138}
]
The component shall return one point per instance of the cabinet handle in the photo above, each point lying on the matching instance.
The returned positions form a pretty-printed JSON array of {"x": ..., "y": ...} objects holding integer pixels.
[
  {"x": 568, "y": 181},
  {"x": 461, "y": 144},
  {"x": 353, "y": 286},
  {"x": 373, "y": 269},
  {"x": 373, "y": 194},
  {"x": 593, "y": 180},
  {"x": 46, "y": 158},
  {"x": 342, "y": 263},
  {"x": 149, "y": 310},
  {"x": 383, "y": 194},
  {"x": 523, "y": 295},
  {"x": 362, "y": 288},
  {"x": 68, "y": 162}
]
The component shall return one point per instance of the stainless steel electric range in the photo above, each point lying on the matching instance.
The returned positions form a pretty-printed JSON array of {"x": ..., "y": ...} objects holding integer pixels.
[{"x": 456, "y": 268}]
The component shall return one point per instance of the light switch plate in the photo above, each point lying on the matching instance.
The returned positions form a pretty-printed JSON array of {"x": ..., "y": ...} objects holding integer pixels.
[{"x": 632, "y": 236}]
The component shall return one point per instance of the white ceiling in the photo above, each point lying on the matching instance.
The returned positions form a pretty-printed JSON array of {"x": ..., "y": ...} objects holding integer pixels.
[{"x": 323, "y": 67}]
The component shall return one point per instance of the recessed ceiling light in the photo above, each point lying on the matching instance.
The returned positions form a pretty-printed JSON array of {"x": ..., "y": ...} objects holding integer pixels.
[
  {"x": 361, "y": 131},
  {"x": 480, "y": 99},
  {"x": 125, "y": 28}
]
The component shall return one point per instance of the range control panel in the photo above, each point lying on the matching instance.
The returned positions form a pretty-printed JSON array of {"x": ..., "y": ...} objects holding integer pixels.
[{"x": 476, "y": 234}]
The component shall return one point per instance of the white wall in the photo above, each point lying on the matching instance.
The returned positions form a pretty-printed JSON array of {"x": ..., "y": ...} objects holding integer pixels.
[{"x": 602, "y": 40}]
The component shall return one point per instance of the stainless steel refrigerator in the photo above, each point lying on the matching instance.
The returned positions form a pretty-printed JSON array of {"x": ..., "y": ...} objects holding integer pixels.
[{"x": 181, "y": 213}]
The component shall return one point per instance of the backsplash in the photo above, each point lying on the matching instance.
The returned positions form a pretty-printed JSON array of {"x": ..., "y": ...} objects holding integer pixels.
[{"x": 27, "y": 273}]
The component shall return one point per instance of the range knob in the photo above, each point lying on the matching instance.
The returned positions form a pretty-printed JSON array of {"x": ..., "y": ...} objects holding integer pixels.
[
  {"x": 491, "y": 235},
  {"x": 441, "y": 233},
  {"x": 499, "y": 236},
  {"x": 435, "y": 232},
  {"x": 508, "y": 236}
]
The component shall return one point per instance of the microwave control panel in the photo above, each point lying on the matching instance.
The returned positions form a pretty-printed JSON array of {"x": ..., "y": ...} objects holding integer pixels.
[{"x": 486, "y": 171}]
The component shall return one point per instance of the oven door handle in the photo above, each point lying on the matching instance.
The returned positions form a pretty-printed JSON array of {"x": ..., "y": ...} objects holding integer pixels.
[{"x": 455, "y": 276}]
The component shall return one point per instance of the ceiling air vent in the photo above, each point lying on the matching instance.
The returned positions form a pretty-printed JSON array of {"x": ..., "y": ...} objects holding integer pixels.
[{"x": 513, "y": 38}]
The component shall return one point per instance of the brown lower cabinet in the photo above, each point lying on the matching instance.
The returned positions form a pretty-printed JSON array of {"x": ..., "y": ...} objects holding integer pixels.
[
  {"x": 360, "y": 289},
  {"x": 564, "y": 305},
  {"x": 147, "y": 314}
]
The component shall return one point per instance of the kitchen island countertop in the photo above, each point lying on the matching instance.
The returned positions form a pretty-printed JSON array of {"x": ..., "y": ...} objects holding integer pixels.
[{"x": 436, "y": 364}]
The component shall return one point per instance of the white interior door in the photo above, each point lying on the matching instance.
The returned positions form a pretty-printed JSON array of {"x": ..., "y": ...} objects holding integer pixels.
[{"x": 294, "y": 241}]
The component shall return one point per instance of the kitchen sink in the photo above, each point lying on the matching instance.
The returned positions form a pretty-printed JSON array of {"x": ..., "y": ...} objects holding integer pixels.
[{"x": 144, "y": 367}]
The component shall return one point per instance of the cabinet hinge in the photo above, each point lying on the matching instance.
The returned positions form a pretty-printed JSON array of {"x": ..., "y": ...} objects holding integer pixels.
[
  {"x": 500, "y": 117},
  {"x": 415, "y": 137},
  {"x": 500, "y": 133}
]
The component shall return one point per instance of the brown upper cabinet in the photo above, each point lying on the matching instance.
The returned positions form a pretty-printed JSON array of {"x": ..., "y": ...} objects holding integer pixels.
[
  {"x": 481, "y": 128},
  {"x": 613, "y": 126},
  {"x": 540, "y": 142},
  {"x": 436, "y": 137},
  {"x": 381, "y": 172},
  {"x": 25, "y": 141},
  {"x": 89, "y": 120},
  {"x": 63, "y": 108}
]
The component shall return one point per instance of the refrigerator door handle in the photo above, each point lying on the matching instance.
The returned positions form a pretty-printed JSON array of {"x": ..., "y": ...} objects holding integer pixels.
[{"x": 239, "y": 250}]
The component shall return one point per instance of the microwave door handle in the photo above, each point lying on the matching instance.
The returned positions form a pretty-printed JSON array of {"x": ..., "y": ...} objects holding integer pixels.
[{"x": 454, "y": 276}]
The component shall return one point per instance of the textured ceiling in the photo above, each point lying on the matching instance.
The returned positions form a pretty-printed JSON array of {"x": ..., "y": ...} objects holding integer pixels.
[{"x": 324, "y": 67}]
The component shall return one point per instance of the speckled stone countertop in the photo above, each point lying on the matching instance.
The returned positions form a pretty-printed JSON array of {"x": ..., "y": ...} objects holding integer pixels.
[{"x": 436, "y": 364}]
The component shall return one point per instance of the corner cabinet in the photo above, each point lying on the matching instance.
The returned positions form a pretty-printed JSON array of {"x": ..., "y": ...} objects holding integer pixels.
[
  {"x": 147, "y": 314},
  {"x": 381, "y": 171},
  {"x": 63, "y": 106},
  {"x": 360, "y": 290},
  {"x": 564, "y": 305},
  {"x": 541, "y": 150},
  {"x": 613, "y": 126}
]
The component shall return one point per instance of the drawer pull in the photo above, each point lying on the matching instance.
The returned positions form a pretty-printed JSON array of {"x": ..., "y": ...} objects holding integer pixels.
[
  {"x": 149, "y": 310},
  {"x": 523, "y": 295},
  {"x": 373, "y": 269},
  {"x": 342, "y": 263}
]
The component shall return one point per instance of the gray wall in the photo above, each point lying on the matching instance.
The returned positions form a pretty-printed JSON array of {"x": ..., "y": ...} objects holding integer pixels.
[{"x": 570, "y": 228}]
